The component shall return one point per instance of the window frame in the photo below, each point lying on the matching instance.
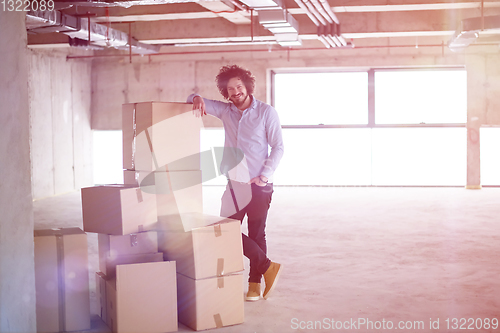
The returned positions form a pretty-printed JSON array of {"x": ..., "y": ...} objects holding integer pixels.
[{"x": 371, "y": 93}]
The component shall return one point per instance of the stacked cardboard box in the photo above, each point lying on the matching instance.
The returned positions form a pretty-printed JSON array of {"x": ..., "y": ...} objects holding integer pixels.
[
  {"x": 161, "y": 155},
  {"x": 117, "y": 209},
  {"x": 127, "y": 249},
  {"x": 141, "y": 298},
  {"x": 209, "y": 255},
  {"x": 132, "y": 271},
  {"x": 62, "y": 280},
  {"x": 160, "y": 137}
]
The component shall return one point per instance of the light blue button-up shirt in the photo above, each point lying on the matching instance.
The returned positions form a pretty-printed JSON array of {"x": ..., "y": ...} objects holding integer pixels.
[{"x": 253, "y": 132}]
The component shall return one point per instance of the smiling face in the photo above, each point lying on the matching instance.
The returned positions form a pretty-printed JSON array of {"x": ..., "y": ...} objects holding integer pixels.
[{"x": 237, "y": 93}]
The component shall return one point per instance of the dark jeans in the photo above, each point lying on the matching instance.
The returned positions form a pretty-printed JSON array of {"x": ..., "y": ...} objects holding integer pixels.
[{"x": 255, "y": 207}]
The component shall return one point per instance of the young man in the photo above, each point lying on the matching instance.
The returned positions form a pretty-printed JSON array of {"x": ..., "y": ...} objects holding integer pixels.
[{"x": 250, "y": 126}]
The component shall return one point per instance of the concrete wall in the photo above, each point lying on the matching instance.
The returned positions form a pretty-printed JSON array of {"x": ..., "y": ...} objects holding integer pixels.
[
  {"x": 123, "y": 82},
  {"x": 173, "y": 77},
  {"x": 17, "y": 280},
  {"x": 61, "y": 138}
]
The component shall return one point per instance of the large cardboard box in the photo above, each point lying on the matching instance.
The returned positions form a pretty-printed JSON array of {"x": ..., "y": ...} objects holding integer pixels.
[
  {"x": 62, "y": 280},
  {"x": 159, "y": 134},
  {"x": 100, "y": 279},
  {"x": 113, "y": 246},
  {"x": 143, "y": 298},
  {"x": 210, "y": 303},
  {"x": 117, "y": 209},
  {"x": 202, "y": 245},
  {"x": 112, "y": 263},
  {"x": 177, "y": 192}
]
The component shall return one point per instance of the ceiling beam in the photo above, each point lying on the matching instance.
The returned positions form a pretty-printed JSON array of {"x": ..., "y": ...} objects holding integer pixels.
[
  {"x": 352, "y": 24},
  {"x": 194, "y": 23},
  {"x": 196, "y": 11}
]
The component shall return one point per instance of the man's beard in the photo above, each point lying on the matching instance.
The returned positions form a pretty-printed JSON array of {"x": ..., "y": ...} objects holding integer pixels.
[{"x": 237, "y": 103}]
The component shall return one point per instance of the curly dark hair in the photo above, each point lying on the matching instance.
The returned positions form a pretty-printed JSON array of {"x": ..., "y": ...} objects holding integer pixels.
[{"x": 230, "y": 71}]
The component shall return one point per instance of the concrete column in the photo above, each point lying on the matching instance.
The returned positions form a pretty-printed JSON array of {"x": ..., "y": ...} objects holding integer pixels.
[
  {"x": 17, "y": 276},
  {"x": 476, "y": 111}
]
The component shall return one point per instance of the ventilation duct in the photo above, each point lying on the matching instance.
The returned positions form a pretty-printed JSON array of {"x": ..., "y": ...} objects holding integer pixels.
[
  {"x": 327, "y": 23},
  {"x": 462, "y": 40},
  {"x": 278, "y": 21},
  {"x": 470, "y": 30},
  {"x": 288, "y": 39},
  {"x": 262, "y": 4},
  {"x": 281, "y": 23},
  {"x": 51, "y": 21},
  {"x": 80, "y": 28},
  {"x": 126, "y": 4}
]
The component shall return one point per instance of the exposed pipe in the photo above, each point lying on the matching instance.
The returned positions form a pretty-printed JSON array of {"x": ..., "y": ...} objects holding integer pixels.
[
  {"x": 318, "y": 6},
  {"x": 108, "y": 25},
  {"x": 225, "y": 11},
  {"x": 322, "y": 10},
  {"x": 482, "y": 15},
  {"x": 130, "y": 41},
  {"x": 330, "y": 37},
  {"x": 313, "y": 18},
  {"x": 325, "y": 9},
  {"x": 332, "y": 41},
  {"x": 324, "y": 41},
  {"x": 329, "y": 10},
  {"x": 335, "y": 35},
  {"x": 315, "y": 12},
  {"x": 251, "y": 24},
  {"x": 323, "y": 37},
  {"x": 308, "y": 12},
  {"x": 76, "y": 28},
  {"x": 339, "y": 36},
  {"x": 341, "y": 40},
  {"x": 255, "y": 50},
  {"x": 239, "y": 5}
]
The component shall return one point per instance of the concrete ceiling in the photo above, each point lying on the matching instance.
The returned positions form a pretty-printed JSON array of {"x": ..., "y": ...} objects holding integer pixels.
[{"x": 230, "y": 23}]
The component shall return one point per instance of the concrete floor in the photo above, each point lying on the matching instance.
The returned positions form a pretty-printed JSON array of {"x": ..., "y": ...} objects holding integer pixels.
[{"x": 383, "y": 256}]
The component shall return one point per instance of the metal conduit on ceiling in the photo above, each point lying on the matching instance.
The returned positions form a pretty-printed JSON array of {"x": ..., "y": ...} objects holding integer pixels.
[{"x": 83, "y": 29}]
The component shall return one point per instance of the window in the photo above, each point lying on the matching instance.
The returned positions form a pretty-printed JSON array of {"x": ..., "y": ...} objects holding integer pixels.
[
  {"x": 420, "y": 97},
  {"x": 490, "y": 155},
  {"x": 321, "y": 98},
  {"x": 108, "y": 160},
  {"x": 210, "y": 138},
  {"x": 419, "y": 156},
  {"x": 326, "y": 156},
  {"x": 418, "y": 138}
]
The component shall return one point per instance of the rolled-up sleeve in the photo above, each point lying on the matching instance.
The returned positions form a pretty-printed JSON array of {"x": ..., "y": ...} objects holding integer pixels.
[{"x": 212, "y": 107}]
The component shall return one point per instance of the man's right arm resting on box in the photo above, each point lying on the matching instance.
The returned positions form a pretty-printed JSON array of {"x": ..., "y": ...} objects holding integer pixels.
[{"x": 205, "y": 105}]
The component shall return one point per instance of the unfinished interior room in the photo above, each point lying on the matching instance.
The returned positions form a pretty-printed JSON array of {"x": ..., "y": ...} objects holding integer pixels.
[{"x": 249, "y": 166}]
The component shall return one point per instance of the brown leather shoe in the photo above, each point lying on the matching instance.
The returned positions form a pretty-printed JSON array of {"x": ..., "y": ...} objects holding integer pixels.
[
  {"x": 271, "y": 277},
  {"x": 253, "y": 293}
]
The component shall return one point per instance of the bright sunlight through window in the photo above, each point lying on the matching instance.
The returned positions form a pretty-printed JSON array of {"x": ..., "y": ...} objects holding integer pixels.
[
  {"x": 490, "y": 156},
  {"x": 321, "y": 98},
  {"x": 420, "y": 97},
  {"x": 373, "y": 156},
  {"x": 108, "y": 161}
]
